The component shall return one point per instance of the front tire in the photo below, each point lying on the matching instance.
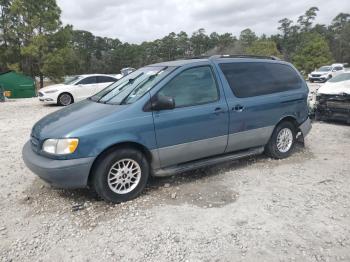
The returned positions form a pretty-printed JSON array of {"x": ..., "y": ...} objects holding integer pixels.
[
  {"x": 65, "y": 99},
  {"x": 120, "y": 175},
  {"x": 282, "y": 141}
]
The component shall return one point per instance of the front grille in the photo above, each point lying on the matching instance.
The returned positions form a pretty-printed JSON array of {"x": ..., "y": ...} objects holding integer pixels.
[
  {"x": 41, "y": 94},
  {"x": 341, "y": 105},
  {"x": 35, "y": 143},
  {"x": 314, "y": 75}
]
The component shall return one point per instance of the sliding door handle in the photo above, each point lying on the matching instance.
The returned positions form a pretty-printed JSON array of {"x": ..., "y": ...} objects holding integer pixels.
[{"x": 238, "y": 108}]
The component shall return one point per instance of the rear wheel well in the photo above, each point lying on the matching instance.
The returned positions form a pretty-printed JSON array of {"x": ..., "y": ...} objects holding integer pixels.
[
  {"x": 299, "y": 135},
  {"x": 291, "y": 120},
  {"x": 132, "y": 145}
]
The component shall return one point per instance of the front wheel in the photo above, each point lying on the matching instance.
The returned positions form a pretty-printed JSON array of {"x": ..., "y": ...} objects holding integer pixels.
[
  {"x": 120, "y": 175},
  {"x": 282, "y": 141},
  {"x": 65, "y": 99}
]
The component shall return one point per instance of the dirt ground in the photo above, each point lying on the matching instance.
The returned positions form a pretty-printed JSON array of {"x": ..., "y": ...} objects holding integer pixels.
[{"x": 256, "y": 209}]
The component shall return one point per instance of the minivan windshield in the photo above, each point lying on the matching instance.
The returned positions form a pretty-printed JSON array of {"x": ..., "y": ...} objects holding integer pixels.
[
  {"x": 324, "y": 69},
  {"x": 340, "y": 78},
  {"x": 133, "y": 86}
]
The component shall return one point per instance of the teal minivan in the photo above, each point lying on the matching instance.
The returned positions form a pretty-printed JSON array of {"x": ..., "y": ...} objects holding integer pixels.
[{"x": 168, "y": 118}]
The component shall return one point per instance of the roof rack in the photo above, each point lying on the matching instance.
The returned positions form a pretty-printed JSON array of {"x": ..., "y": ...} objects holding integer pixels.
[
  {"x": 195, "y": 57},
  {"x": 245, "y": 56}
]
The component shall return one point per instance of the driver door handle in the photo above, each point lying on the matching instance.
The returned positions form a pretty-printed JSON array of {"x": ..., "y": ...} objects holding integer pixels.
[{"x": 218, "y": 110}]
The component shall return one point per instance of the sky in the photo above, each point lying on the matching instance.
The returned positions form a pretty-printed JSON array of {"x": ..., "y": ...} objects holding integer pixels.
[{"x": 135, "y": 21}]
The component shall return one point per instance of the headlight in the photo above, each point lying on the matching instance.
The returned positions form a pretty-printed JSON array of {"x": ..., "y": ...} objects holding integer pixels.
[
  {"x": 50, "y": 91},
  {"x": 60, "y": 146}
]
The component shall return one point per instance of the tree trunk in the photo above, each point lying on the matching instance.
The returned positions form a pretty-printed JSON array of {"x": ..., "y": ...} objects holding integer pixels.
[{"x": 41, "y": 76}]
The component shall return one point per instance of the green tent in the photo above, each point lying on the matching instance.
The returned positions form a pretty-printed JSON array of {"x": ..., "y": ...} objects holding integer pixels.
[{"x": 17, "y": 85}]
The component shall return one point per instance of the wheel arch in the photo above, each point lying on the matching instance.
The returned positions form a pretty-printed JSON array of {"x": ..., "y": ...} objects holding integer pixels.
[
  {"x": 291, "y": 119},
  {"x": 127, "y": 144}
]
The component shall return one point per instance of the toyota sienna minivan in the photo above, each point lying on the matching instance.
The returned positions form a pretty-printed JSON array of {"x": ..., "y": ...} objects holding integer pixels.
[{"x": 168, "y": 118}]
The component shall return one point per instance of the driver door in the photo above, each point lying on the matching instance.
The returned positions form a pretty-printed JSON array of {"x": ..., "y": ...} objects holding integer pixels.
[{"x": 198, "y": 125}]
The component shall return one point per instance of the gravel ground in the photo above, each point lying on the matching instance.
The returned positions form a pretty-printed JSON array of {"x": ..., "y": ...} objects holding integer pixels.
[{"x": 256, "y": 209}]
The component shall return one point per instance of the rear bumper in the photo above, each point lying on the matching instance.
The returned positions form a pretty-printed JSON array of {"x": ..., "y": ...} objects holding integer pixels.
[
  {"x": 71, "y": 173},
  {"x": 305, "y": 127}
]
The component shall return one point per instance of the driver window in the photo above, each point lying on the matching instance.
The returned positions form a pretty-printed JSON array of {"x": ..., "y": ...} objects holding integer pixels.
[{"x": 192, "y": 87}]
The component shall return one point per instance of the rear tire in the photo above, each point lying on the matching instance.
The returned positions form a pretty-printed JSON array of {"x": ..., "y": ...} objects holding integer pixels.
[
  {"x": 65, "y": 99},
  {"x": 120, "y": 175},
  {"x": 282, "y": 141}
]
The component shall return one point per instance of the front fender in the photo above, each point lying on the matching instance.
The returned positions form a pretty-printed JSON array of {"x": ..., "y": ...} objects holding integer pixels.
[{"x": 96, "y": 138}]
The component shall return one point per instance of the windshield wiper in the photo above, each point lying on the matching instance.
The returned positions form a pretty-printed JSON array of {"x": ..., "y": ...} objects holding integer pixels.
[
  {"x": 138, "y": 87},
  {"x": 130, "y": 81}
]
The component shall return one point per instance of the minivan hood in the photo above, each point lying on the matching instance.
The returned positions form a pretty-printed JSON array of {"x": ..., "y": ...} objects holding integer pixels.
[
  {"x": 62, "y": 122},
  {"x": 335, "y": 88}
]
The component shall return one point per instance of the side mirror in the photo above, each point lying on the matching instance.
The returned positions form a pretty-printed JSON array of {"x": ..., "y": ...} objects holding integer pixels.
[
  {"x": 334, "y": 70},
  {"x": 160, "y": 102}
]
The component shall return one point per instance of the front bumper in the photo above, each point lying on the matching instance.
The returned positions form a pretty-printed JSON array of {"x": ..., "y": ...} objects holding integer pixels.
[
  {"x": 316, "y": 78},
  {"x": 48, "y": 98},
  {"x": 333, "y": 107},
  {"x": 305, "y": 127},
  {"x": 72, "y": 173},
  {"x": 337, "y": 114}
]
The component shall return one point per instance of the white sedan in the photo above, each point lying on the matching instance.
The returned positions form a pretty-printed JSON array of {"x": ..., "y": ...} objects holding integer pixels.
[
  {"x": 336, "y": 86},
  {"x": 76, "y": 88}
]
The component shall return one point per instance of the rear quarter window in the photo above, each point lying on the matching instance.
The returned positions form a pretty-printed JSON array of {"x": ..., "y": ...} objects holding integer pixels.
[
  {"x": 105, "y": 79},
  {"x": 87, "y": 81},
  {"x": 248, "y": 79}
]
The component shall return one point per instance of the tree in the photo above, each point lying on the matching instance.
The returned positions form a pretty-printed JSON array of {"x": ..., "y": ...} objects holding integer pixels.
[
  {"x": 38, "y": 21},
  {"x": 264, "y": 48},
  {"x": 199, "y": 42},
  {"x": 168, "y": 47},
  {"x": 183, "y": 44},
  {"x": 32, "y": 40},
  {"x": 340, "y": 37},
  {"x": 285, "y": 27},
  {"x": 306, "y": 20},
  {"x": 247, "y": 37},
  {"x": 312, "y": 53},
  {"x": 288, "y": 41},
  {"x": 9, "y": 42}
]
